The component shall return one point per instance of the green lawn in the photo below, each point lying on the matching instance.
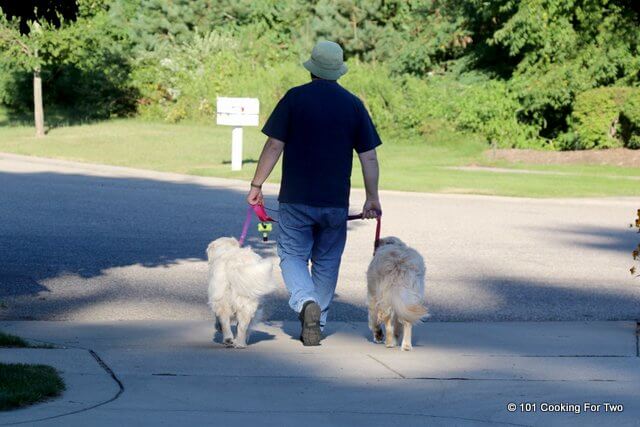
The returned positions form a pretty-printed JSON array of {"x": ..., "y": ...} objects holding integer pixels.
[
  {"x": 412, "y": 166},
  {"x": 22, "y": 385},
  {"x": 8, "y": 340}
]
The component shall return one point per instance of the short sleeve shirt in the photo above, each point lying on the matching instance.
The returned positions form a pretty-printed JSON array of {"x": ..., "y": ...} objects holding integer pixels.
[{"x": 321, "y": 124}]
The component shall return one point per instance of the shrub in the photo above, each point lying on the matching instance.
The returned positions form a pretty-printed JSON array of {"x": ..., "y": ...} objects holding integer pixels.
[
  {"x": 630, "y": 120},
  {"x": 595, "y": 116}
]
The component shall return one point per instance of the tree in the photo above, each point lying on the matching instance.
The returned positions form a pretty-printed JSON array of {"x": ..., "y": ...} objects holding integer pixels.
[{"x": 29, "y": 52}]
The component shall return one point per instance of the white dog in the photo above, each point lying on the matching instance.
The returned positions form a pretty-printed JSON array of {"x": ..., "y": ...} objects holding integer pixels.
[
  {"x": 395, "y": 282},
  {"x": 238, "y": 277}
]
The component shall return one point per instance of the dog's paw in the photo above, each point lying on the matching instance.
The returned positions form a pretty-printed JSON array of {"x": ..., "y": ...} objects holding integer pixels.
[
  {"x": 228, "y": 342},
  {"x": 377, "y": 336},
  {"x": 406, "y": 347},
  {"x": 390, "y": 344},
  {"x": 239, "y": 345}
]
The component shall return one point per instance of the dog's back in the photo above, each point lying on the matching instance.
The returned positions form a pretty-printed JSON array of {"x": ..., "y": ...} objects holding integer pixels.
[
  {"x": 396, "y": 278},
  {"x": 238, "y": 277},
  {"x": 237, "y": 270}
]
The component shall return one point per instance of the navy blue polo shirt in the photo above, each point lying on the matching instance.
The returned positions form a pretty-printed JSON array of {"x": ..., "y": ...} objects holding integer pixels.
[{"x": 321, "y": 123}]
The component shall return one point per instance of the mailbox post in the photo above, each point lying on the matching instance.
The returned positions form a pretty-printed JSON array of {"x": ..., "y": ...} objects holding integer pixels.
[{"x": 237, "y": 112}]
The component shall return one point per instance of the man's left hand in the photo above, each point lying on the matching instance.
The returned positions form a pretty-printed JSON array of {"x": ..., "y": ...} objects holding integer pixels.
[{"x": 255, "y": 196}]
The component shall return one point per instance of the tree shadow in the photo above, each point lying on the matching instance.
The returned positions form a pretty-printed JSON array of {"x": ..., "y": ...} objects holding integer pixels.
[
  {"x": 244, "y": 161},
  {"x": 543, "y": 300},
  {"x": 64, "y": 239},
  {"x": 623, "y": 239}
]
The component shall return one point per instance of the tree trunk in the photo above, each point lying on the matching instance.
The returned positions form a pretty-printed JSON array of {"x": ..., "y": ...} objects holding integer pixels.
[{"x": 38, "y": 110}]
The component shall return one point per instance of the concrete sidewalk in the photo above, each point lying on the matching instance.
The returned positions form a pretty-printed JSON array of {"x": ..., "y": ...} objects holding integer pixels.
[{"x": 171, "y": 373}]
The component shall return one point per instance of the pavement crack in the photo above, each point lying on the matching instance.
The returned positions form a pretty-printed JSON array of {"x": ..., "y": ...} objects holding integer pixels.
[
  {"x": 637, "y": 339},
  {"x": 387, "y": 366}
]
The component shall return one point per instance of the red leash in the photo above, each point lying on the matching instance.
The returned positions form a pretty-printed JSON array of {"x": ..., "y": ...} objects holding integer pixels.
[
  {"x": 263, "y": 216},
  {"x": 376, "y": 242}
]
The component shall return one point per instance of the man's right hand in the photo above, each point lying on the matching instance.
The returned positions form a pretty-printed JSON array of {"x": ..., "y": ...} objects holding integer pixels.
[{"x": 371, "y": 209}]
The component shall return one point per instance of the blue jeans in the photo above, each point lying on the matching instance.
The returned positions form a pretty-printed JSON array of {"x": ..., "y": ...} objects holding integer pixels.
[{"x": 316, "y": 234}]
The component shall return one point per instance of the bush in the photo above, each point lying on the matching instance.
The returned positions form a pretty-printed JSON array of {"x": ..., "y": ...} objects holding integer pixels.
[
  {"x": 630, "y": 120},
  {"x": 595, "y": 117}
]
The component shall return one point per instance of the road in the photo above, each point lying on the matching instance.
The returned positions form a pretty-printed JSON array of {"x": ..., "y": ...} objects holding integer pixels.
[{"x": 91, "y": 242}]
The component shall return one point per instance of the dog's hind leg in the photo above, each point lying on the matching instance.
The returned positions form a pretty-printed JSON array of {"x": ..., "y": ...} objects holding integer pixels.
[
  {"x": 406, "y": 336},
  {"x": 225, "y": 324},
  {"x": 218, "y": 328},
  {"x": 389, "y": 333},
  {"x": 397, "y": 328},
  {"x": 244, "y": 320},
  {"x": 374, "y": 326}
]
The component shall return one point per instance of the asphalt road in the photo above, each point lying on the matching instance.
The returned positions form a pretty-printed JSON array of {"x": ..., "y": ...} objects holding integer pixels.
[{"x": 90, "y": 242}]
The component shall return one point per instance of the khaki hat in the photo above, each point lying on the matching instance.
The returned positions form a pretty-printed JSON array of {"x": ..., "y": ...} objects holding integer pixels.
[{"x": 327, "y": 61}]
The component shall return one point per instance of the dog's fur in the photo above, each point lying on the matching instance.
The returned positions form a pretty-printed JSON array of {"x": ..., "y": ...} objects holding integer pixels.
[
  {"x": 238, "y": 278},
  {"x": 395, "y": 282}
]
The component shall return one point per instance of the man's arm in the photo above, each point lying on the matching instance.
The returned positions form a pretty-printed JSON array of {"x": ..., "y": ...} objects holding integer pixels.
[
  {"x": 268, "y": 158},
  {"x": 371, "y": 173}
]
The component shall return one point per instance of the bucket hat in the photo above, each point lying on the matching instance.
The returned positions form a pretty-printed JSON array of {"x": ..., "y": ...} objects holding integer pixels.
[{"x": 327, "y": 61}]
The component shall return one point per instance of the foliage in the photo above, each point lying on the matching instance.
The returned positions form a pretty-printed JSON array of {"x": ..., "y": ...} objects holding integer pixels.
[
  {"x": 510, "y": 70},
  {"x": 564, "y": 48},
  {"x": 84, "y": 64},
  {"x": 595, "y": 118},
  {"x": 630, "y": 120}
]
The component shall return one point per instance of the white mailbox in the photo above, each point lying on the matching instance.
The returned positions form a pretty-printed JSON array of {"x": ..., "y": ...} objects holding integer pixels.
[{"x": 237, "y": 112}]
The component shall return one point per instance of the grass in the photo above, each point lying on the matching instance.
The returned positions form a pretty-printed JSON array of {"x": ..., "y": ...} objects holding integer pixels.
[
  {"x": 8, "y": 340},
  {"x": 198, "y": 149},
  {"x": 12, "y": 341},
  {"x": 22, "y": 385}
]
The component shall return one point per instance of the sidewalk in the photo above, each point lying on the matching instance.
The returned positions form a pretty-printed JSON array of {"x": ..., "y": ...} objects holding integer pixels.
[{"x": 458, "y": 374}]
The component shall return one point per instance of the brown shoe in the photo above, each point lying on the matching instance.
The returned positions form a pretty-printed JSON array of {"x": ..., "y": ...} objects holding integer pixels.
[{"x": 310, "y": 322}]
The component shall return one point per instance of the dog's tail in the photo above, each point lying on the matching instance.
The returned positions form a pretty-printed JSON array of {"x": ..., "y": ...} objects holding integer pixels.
[
  {"x": 254, "y": 280},
  {"x": 407, "y": 304}
]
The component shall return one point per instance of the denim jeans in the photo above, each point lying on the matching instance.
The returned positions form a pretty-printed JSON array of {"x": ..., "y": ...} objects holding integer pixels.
[{"x": 316, "y": 234}]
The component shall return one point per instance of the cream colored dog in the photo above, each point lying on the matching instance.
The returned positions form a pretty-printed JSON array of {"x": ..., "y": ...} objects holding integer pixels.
[
  {"x": 238, "y": 278},
  {"x": 395, "y": 282}
]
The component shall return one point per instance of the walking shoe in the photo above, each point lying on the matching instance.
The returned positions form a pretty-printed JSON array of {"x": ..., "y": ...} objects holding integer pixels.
[{"x": 310, "y": 322}]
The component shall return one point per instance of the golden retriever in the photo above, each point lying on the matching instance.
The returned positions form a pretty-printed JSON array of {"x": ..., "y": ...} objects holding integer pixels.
[{"x": 395, "y": 283}]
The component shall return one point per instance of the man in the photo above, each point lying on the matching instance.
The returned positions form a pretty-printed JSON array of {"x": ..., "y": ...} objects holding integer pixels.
[{"x": 317, "y": 126}]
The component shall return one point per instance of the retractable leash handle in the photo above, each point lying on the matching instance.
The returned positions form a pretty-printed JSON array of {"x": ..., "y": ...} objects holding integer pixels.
[{"x": 263, "y": 227}]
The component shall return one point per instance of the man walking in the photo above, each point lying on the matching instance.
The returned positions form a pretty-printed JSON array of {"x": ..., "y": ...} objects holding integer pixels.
[{"x": 317, "y": 126}]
